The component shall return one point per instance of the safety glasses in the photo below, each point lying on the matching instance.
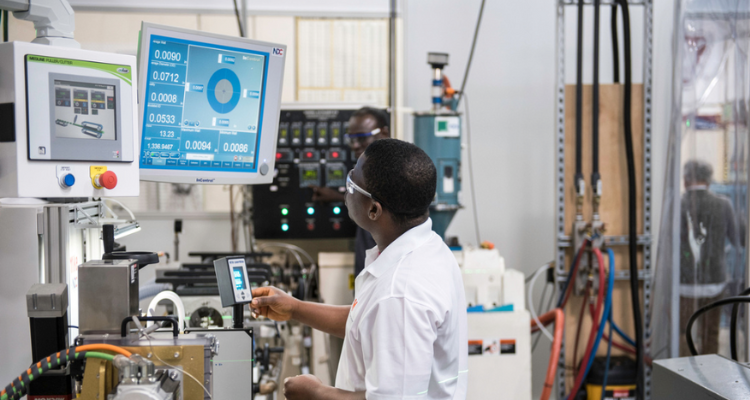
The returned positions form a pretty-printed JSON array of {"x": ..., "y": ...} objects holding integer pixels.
[
  {"x": 351, "y": 186},
  {"x": 360, "y": 137}
]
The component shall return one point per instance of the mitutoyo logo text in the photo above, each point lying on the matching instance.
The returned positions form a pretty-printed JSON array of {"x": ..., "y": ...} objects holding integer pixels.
[{"x": 205, "y": 180}]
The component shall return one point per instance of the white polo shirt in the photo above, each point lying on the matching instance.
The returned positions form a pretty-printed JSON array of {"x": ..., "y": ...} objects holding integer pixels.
[{"x": 406, "y": 332}]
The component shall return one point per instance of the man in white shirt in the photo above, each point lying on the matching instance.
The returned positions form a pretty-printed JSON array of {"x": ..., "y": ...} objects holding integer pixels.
[{"x": 405, "y": 333}]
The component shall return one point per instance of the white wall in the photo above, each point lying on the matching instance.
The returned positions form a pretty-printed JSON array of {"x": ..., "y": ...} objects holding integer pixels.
[{"x": 511, "y": 93}]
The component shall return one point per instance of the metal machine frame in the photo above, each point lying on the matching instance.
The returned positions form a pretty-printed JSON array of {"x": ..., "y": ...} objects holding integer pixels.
[
  {"x": 564, "y": 241},
  {"x": 709, "y": 376}
]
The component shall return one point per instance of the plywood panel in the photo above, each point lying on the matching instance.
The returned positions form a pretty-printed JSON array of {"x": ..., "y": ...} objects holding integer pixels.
[
  {"x": 613, "y": 209},
  {"x": 612, "y": 162}
]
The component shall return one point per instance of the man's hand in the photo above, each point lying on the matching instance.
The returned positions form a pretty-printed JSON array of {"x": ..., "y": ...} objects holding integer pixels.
[
  {"x": 273, "y": 303},
  {"x": 326, "y": 195},
  {"x": 303, "y": 387}
]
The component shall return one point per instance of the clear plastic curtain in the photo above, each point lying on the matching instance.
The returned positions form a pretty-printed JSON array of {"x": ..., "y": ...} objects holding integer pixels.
[{"x": 701, "y": 254}]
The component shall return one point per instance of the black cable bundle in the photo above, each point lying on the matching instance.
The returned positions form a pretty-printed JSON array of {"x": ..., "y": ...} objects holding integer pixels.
[
  {"x": 595, "y": 104},
  {"x": 579, "y": 101},
  {"x": 20, "y": 385},
  {"x": 615, "y": 45},
  {"x": 632, "y": 225}
]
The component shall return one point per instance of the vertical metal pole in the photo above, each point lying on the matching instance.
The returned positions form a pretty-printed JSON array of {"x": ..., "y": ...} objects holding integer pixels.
[
  {"x": 40, "y": 226},
  {"x": 238, "y": 316},
  {"x": 392, "y": 67},
  {"x": 674, "y": 143},
  {"x": 55, "y": 243},
  {"x": 560, "y": 142},
  {"x": 647, "y": 102}
]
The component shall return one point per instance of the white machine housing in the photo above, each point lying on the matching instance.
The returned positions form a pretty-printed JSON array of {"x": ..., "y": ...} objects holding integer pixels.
[
  {"x": 487, "y": 282},
  {"x": 25, "y": 114},
  {"x": 499, "y": 341}
]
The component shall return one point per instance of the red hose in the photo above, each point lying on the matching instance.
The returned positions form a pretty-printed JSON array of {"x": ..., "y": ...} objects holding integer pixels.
[
  {"x": 558, "y": 317},
  {"x": 581, "y": 315},
  {"x": 574, "y": 272},
  {"x": 594, "y": 325}
]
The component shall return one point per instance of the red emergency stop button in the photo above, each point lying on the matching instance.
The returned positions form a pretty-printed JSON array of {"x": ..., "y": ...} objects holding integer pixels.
[
  {"x": 107, "y": 180},
  {"x": 310, "y": 226},
  {"x": 336, "y": 226}
]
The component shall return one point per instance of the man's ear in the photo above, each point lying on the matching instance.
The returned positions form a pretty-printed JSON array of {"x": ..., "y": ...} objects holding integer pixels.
[
  {"x": 375, "y": 212},
  {"x": 385, "y": 131}
]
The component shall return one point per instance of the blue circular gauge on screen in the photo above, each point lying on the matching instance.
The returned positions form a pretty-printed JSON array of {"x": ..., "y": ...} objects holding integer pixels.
[{"x": 223, "y": 91}]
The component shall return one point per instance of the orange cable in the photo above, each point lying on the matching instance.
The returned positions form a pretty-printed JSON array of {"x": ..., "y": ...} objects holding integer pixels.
[
  {"x": 103, "y": 346},
  {"x": 558, "y": 317}
]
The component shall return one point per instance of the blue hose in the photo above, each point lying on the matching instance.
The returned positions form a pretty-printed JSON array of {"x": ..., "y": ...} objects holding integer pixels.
[
  {"x": 611, "y": 325},
  {"x": 622, "y": 334},
  {"x": 605, "y": 316},
  {"x": 607, "y": 311}
]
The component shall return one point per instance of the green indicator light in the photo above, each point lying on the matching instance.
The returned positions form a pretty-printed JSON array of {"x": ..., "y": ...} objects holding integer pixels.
[
  {"x": 337, "y": 210},
  {"x": 688, "y": 123},
  {"x": 284, "y": 211},
  {"x": 310, "y": 211},
  {"x": 284, "y": 227}
]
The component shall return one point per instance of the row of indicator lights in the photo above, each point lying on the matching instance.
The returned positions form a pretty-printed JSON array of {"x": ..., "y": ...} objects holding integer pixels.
[
  {"x": 311, "y": 211},
  {"x": 310, "y": 226},
  {"x": 309, "y": 154}
]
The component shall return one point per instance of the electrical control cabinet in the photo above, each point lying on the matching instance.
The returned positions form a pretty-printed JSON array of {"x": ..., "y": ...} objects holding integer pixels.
[
  {"x": 311, "y": 151},
  {"x": 439, "y": 135},
  {"x": 67, "y": 122}
]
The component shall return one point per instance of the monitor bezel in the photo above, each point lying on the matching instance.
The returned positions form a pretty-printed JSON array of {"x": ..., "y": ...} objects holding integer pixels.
[{"x": 271, "y": 108}]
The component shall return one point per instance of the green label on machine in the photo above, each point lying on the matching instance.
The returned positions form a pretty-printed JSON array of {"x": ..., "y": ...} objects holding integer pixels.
[{"x": 123, "y": 72}]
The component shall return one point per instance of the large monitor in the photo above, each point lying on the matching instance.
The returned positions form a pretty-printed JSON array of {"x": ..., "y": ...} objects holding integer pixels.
[{"x": 209, "y": 106}]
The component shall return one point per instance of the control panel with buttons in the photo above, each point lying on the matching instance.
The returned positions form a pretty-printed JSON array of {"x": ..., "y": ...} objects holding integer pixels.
[
  {"x": 62, "y": 112},
  {"x": 311, "y": 153}
]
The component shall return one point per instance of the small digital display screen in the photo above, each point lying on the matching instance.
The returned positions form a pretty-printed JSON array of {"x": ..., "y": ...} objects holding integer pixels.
[
  {"x": 239, "y": 278},
  {"x": 336, "y": 174},
  {"x": 86, "y": 115},
  {"x": 203, "y": 106},
  {"x": 310, "y": 174}
]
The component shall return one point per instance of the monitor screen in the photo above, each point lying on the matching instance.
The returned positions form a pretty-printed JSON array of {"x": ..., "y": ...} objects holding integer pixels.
[
  {"x": 210, "y": 107},
  {"x": 79, "y": 110},
  {"x": 85, "y": 110}
]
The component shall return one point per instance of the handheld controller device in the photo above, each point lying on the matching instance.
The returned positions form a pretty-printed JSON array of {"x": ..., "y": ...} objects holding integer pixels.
[{"x": 231, "y": 276}]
